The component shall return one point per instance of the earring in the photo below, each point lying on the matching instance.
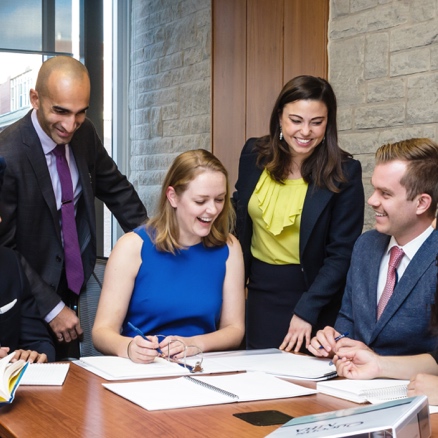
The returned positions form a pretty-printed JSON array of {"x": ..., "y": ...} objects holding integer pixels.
[{"x": 281, "y": 134}]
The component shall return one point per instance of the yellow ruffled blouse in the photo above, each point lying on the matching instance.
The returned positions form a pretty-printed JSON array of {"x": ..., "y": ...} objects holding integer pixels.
[{"x": 275, "y": 210}]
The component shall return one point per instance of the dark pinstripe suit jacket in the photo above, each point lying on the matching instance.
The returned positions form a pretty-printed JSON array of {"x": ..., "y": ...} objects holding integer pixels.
[
  {"x": 21, "y": 325},
  {"x": 27, "y": 204},
  {"x": 330, "y": 224}
]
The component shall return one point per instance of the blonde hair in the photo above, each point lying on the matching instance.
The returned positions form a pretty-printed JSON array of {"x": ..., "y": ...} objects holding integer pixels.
[
  {"x": 163, "y": 227},
  {"x": 421, "y": 176}
]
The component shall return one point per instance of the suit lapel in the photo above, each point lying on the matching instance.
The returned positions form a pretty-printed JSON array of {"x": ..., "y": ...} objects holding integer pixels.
[
  {"x": 415, "y": 270},
  {"x": 369, "y": 269},
  {"x": 86, "y": 226},
  {"x": 37, "y": 160},
  {"x": 314, "y": 204}
]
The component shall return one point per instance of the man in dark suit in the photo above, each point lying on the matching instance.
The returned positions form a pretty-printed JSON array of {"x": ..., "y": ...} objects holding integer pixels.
[
  {"x": 33, "y": 191},
  {"x": 21, "y": 328},
  {"x": 390, "y": 313}
]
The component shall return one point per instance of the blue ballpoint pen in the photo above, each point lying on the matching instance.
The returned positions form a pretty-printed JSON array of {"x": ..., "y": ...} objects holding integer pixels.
[
  {"x": 336, "y": 339},
  {"x": 139, "y": 332}
]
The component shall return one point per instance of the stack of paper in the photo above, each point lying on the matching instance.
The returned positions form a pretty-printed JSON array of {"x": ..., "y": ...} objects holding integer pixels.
[
  {"x": 120, "y": 368},
  {"x": 362, "y": 391},
  {"x": 270, "y": 361},
  {"x": 278, "y": 363}
]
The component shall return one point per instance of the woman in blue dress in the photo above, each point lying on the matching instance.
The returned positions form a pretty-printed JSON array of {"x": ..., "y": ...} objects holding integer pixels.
[{"x": 180, "y": 276}]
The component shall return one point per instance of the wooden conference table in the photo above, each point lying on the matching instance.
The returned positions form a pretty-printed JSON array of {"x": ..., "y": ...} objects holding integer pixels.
[{"x": 82, "y": 407}]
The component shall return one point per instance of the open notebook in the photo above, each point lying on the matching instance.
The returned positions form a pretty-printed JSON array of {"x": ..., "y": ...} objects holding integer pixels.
[
  {"x": 52, "y": 374},
  {"x": 188, "y": 391},
  {"x": 11, "y": 374}
]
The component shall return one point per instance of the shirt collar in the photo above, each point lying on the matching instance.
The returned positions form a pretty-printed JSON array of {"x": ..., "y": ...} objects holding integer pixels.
[
  {"x": 47, "y": 143},
  {"x": 414, "y": 245}
]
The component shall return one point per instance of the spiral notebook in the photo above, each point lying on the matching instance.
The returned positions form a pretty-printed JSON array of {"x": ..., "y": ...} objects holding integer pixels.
[
  {"x": 52, "y": 374},
  {"x": 363, "y": 391},
  {"x": 188, "y": 391}
]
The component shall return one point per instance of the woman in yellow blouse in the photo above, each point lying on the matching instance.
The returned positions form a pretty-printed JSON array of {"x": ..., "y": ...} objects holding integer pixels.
[{"x": 300, "y": 204}]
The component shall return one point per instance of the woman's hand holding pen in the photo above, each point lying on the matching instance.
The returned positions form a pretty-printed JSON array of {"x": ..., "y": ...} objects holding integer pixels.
[{"x": 142, "y": 349}]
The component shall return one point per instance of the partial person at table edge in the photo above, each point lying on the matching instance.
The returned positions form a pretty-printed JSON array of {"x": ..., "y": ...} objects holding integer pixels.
[{"x": 22, "y": 330}]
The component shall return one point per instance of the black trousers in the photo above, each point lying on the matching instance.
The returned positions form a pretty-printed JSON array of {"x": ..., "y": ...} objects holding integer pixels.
[
  {"x": 273, "y": 292},
  {"x": 64, "y": 350}
]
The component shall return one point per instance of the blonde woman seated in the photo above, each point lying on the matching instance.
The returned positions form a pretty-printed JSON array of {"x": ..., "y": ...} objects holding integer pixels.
[{"x": 180, "y": 277}]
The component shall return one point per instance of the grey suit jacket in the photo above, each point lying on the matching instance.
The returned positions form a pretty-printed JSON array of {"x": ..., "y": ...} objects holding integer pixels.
[
  {"x": 404, "y": 327},
  {"x": 28, "y": 208}
]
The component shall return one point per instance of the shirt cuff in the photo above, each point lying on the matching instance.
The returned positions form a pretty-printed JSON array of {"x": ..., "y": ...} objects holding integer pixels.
[{"x": 54, "y": 312}]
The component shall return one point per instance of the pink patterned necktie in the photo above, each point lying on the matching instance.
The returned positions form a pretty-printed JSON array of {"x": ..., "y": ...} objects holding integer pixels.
[
  {"x": 74, "y": 270},
  {"x": 394, "y": 260}
]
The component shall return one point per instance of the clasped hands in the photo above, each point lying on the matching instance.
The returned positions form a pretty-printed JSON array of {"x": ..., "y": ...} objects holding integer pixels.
[{"x": 146, "y": 349}]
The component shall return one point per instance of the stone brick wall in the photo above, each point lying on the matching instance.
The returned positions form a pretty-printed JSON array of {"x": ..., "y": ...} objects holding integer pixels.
[
  {"x": 170, "y": 87},
  {"x": 383, "y": 65}
]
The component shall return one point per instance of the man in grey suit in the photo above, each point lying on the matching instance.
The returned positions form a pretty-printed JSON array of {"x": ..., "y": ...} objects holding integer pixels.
[
  {"x": 33, "y": 194},
  {"x": 375, "y": 314}
]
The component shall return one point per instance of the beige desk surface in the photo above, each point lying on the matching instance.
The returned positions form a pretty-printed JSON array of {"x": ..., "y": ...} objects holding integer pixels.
[{"x": 82, "y": 407}]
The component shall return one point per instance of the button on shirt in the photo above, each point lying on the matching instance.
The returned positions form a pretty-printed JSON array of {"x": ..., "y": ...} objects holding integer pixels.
[{"x": 48, "y": 145}]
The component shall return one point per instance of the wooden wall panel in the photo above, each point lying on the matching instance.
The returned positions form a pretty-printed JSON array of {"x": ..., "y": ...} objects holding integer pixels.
[
  {"x": 305, "y": 36},
  {"x": 229, "y": 82},
  {"x": 264, "y": 62},
  {"x": 258, "y": 45}
]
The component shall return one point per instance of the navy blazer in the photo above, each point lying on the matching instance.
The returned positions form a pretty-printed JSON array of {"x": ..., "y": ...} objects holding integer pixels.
[
  {"x": 28, "y": 206},
  {"x": 330, "y": 224},
  {"x": 404, "y": 327},
  {"x": 21, "y": 326}
]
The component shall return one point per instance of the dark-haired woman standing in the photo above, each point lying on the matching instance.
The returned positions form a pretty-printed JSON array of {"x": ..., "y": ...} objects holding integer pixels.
[{"x": 300, "y": 204}]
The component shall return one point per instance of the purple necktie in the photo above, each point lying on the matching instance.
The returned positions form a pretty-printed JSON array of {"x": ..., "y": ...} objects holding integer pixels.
[
  {"x": 394, "y": 260},
  {"x": 74, "y": 270}
]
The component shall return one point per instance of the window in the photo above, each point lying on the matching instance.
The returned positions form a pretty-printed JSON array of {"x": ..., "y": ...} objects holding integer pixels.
[{"x": 30, "y": 32}]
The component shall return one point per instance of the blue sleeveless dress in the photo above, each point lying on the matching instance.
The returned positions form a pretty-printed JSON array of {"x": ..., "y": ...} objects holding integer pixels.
[{"x": 177, "y": 294}]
